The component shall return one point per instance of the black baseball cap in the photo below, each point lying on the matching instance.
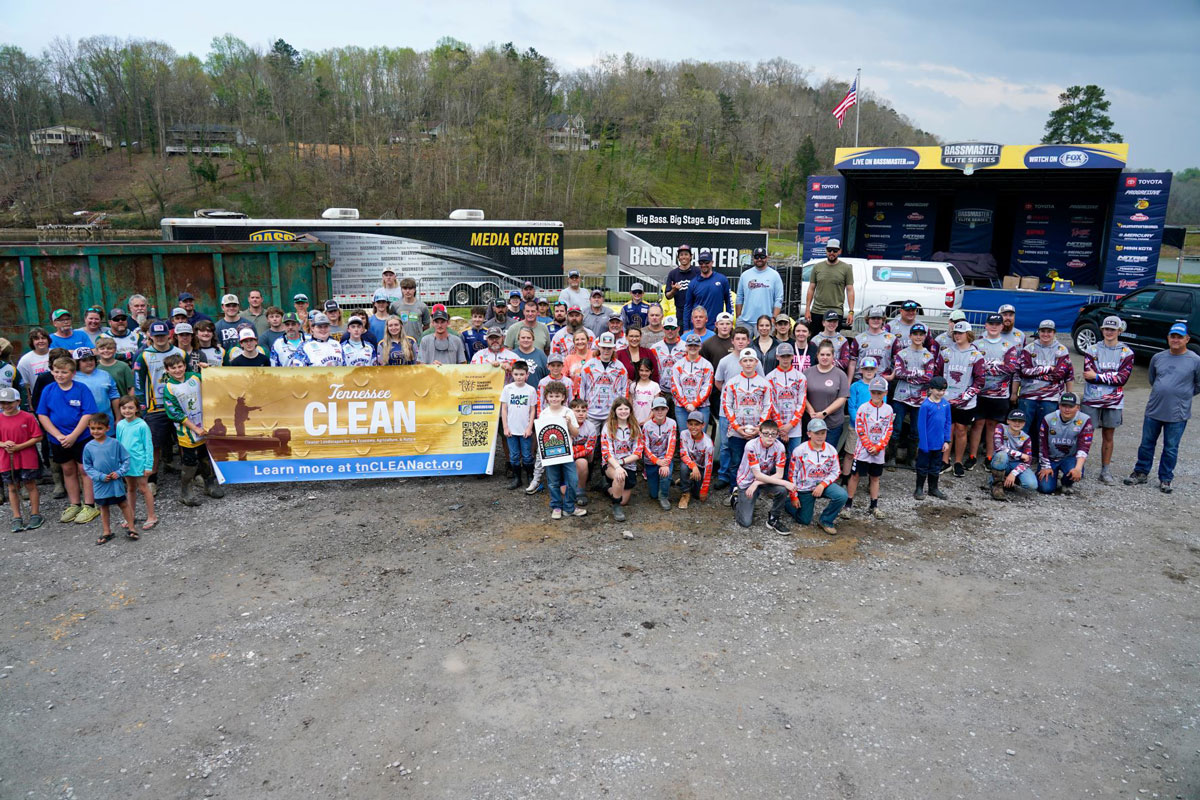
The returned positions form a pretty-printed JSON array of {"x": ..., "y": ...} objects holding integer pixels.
[
  {"x": 1016, "y": 415},
  {"x": 994, "y": 319},
  {"x": 938, "y": 382},
  {"x": 1068, "y": 399},
  {"x": 760, "y": 252}
]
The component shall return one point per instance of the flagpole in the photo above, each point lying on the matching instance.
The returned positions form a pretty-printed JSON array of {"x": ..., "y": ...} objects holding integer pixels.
[{"x": 858, "y": 103}]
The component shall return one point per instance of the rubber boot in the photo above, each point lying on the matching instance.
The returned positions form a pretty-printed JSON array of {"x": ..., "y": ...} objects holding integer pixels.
[
  {"x": 934, "y": 491},
  {"x": 515, "y": 481},
  {"x": 60, "y": 488},
  {"x": 211, "y": 487},
  {"x": 187, "y": 495},
  {"x": 998, "y": 485},
  {"x": 919, "y": 492}
]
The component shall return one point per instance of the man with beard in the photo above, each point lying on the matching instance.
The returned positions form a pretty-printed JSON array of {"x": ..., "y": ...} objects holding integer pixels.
[{"x": 831, "y": 280}]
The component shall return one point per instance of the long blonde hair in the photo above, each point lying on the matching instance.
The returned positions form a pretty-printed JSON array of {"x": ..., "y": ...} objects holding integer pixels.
[{"x": 385, "y": 347}]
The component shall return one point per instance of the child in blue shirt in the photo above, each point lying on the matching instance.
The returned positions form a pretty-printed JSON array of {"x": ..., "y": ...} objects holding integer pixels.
[
  {"x": 106, "y": 462},
  {"x": 933, "y": 439}
]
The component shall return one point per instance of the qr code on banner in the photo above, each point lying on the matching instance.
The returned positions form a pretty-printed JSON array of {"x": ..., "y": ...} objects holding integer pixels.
[{"x": 474, "y": 434}]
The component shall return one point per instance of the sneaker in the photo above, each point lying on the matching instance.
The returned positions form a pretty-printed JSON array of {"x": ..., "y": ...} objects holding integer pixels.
[
  {"x": 579, "y": 512},
  {"x": 778, "y": 525},
  {"x": 731, "y": 500},
  {"x": 556, "y": 513},
  {"x": 960, "y": 469},
  {"x": 86, "y": 514},
  {"x": 69, "y": 513},
  {"x": 581, "y": 499},
  {"x": 684, "y": 499},
  {"x": 829, "y": 529},
  {"x": 1137, "y": 479},
  {"x": 1067, "y": 491},
  {"x": 1165, "y": 487},
  {"x": 18, "y": 525},
  {"x": 1107, "y": 478},
  {"x": 618, "y": 513},
  {"x": 34, "y": 522},
  {"x": 969, "y": 464},
  {"x": 665, "y": 503},
  {"x": 535, "y": 486},
  {"x": 877, "y": 512}
]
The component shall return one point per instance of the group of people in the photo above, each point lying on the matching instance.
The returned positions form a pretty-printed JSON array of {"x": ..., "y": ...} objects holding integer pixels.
[{"x": 730, "y": 394}]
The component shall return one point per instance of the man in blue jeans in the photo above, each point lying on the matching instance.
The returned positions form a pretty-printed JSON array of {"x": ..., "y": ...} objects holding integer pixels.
[{"x": 1174, "y": 381}]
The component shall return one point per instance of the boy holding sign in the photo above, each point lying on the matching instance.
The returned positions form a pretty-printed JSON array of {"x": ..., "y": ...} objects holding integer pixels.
[{"x": 556, "y": 427}]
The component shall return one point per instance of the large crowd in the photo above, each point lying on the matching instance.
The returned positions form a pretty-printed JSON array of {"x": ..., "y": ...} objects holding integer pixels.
[{"x": 727, "y": 395}]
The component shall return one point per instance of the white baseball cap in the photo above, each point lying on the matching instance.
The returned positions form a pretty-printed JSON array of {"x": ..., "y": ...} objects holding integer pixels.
[
  {"x": 606, "y": 340},
  {"x": 749, "y": 352},
  {"x": 247, "y": 333},
  {"x": 724, "y": 316},
  {"x": 671, "y": 322},
  {"x": 229, "y": 298}
]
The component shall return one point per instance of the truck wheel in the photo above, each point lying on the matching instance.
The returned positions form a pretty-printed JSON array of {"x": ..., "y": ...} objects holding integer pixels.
[
  {"x": 488, "y": 293},
  {"x": 460, "y": 295},
  {"x": 1085, "y": 336}
]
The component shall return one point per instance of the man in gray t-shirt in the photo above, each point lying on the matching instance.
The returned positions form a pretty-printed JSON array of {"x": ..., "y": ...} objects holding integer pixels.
[
  {"x": 1174, "y": 381},
  {"x": 441, "y": 347},
  {"x": 411, "y": 311}
]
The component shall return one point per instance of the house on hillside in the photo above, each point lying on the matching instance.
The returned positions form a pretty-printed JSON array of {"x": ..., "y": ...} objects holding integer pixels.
[
  {"x": 428, "y": 131},
  {"x": 213, "y": 140},
  {"x": 566, "y": 132},
  {"x": 66, "y": 140}
]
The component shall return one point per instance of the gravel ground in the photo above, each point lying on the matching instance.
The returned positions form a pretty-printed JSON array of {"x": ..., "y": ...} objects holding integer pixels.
[{"x": 444, "y": 639}]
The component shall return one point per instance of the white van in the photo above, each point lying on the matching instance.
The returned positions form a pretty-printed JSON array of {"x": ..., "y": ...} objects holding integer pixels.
[{"x": 936, "y": 286}]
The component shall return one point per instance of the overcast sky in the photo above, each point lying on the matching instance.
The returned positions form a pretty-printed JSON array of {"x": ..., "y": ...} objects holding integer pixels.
[{"x": 963, "y": 70}]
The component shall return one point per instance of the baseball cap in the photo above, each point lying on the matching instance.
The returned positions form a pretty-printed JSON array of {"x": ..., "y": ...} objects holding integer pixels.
[
  {"x": 695, "y": 416},
  {"x": 878, "y": 385},
  {"x": 637, "y": 287},
  {"x": 724, "y": 316},
  {"x": 759, "y": 252},
  {"x": 247, "y": 333},
  {"x": 499, "y": 302},
  {"x": 817, "y": 425},
  {"x": 687, "y": 247},
  {"x": 868, "y": 362},
  {"x": 514, "y": 293},
  {"x": 574, "y": 310},
  {"x": 178, "y": 312},
  {"x": 355, "y": 321},
  {"x": 606, "y": 340},
  {"x": 877, "y": 311},
  {"x": 1068, "y": 399},
  {"x": 1006, "y": 308},
  {"x": 782, "y": 317},
  {"x": 1112, "y": 322},
  {"x": 1179, "y": 329},
  {"x": 957, "y": 314},
  {"x": 118, "y": 313},
  {"x": 229, "y": 298},
  {"x": 962, "y": 326},
  {"x": 318, "y": 318},
  {"x": 554, "y": 358},
  {"x": 994, "y": 319},
  {"x": 692, "y": 339},
  {"x": 9, "y": 395},
  {"x": 1047, "y": 324},
  {"x": 1017, "y": 415},
  {"x": 439, "y": 314},
  {"x": 494, "y": 331},
  {"x": 300, "y": 298},
  {"x": 59, "y": 313},
  {"x": 379, "y": 296},
  {"x": 185, "y": 296},
  {"x": 784, "y": 349},
  {"x": 573, "y": 273},
  {"x": 290, "y": 316},
  {"x": 331, "y": 305},
  {"x": 388, "y": 270},
  {"x": 830, "y": 316},
  {"x": 83, "y": 352},
  {"x": 542, "y": 300},
  {"x": 705, "y": 255},
  {"x": 159, "y": 329},
  {"x": 918, "y": 328},
  {"x": 749, "y": 352},
  {"x": 597, "y": 291},
  {"x": 671, "y": 322},
  {"x": 938, "y": 382},
  {"x": 658, "y": 402},
  {"x": 528, "y": 284},
  {"x": 184, "y": 327},
  {"x": 833, "y": 244},
  {"x": 612, "y": 315},
  {"x": 910, "y": 305}
]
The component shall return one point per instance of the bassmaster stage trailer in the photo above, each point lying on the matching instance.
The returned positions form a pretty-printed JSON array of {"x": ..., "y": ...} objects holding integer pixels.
[{"x": 463, "y": 260}]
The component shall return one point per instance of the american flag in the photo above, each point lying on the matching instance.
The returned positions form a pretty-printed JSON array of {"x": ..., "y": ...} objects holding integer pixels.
[{"x": 849, "y": 100}]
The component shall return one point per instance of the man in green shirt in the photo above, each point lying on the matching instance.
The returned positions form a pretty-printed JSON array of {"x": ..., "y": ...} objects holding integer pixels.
[{"x": 830, "y": 281}]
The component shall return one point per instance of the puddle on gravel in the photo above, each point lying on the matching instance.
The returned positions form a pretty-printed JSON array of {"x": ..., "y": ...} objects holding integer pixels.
[{"x": 818, "y": 546}]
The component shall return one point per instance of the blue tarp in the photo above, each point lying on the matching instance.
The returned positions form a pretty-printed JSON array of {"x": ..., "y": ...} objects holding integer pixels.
[{"x": 1032, "y": 307}]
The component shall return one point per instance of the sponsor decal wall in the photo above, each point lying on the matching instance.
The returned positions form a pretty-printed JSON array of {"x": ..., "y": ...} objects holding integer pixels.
[
  {"x": 268, "y": 425},
  {"x": 824, "y": 214},
  {"x": 1139, "y": 211},
  {"x": 651, "y": 253},
  {"x": 973, "y": 224},
  {"x": 896, "y": 226},
  {"x": 1059, "y": 233},
  {"x": 745, "y": 219},
  {"x": 972, "y": 156}
]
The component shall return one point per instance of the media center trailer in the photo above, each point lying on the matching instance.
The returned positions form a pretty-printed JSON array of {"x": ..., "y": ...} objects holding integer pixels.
[
  {"x": 463, "y": 260},
  {"x": 995, "y": 210}
]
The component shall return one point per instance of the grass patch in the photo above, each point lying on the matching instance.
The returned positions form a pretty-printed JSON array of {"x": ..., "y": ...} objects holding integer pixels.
[{"x": 1170, "y": 276}]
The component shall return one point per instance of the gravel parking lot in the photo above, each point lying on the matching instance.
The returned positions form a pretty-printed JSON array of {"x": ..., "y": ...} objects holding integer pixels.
[{"x": 444, "y": 639}]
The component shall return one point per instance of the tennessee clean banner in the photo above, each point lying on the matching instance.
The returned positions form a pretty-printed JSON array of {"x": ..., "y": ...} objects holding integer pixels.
[{"x": 270, "y": 424}]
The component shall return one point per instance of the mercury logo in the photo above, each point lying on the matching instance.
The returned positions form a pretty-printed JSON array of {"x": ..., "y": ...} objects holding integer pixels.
[{"x": 1073, "y": 158}]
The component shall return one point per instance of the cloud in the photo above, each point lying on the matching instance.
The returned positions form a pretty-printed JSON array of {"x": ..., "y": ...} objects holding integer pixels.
[{"x": 972, "y": 90}]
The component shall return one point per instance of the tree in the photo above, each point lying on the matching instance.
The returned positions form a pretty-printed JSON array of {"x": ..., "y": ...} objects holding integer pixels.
[{"x": 1081, "y": 116}]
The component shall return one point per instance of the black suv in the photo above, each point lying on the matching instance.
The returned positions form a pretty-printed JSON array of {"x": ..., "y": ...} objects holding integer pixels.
[{"x": 1148, "y": 313}]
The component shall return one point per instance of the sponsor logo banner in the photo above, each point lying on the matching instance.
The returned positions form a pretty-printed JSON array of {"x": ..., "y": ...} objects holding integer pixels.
[
  {"x": 1048, "y": 235},
  {"x": 973, "y": 155},
  {"x": 985, "y": 155},
  {"x": 897, "y": 226},
  {"x": 1141, "y": 198},
  {"x": 827, "y": 198},
  {"x": 270, "y": 425}
]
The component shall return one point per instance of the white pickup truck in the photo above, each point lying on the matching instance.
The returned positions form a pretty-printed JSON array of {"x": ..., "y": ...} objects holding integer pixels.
[{"x": 936, "y": 286}]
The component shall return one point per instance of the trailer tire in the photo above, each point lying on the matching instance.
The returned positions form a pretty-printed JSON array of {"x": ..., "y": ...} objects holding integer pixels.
[
  {"x": 488, "y": 293},
  {"x": 461, "y": 295}
]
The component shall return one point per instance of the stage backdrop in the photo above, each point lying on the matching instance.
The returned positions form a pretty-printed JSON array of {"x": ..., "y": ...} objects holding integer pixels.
[{"x": 340, "y": 423}]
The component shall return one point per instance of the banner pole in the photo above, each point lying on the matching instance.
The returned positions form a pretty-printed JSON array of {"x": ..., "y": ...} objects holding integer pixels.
[{"x": 858, "y": 104}]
